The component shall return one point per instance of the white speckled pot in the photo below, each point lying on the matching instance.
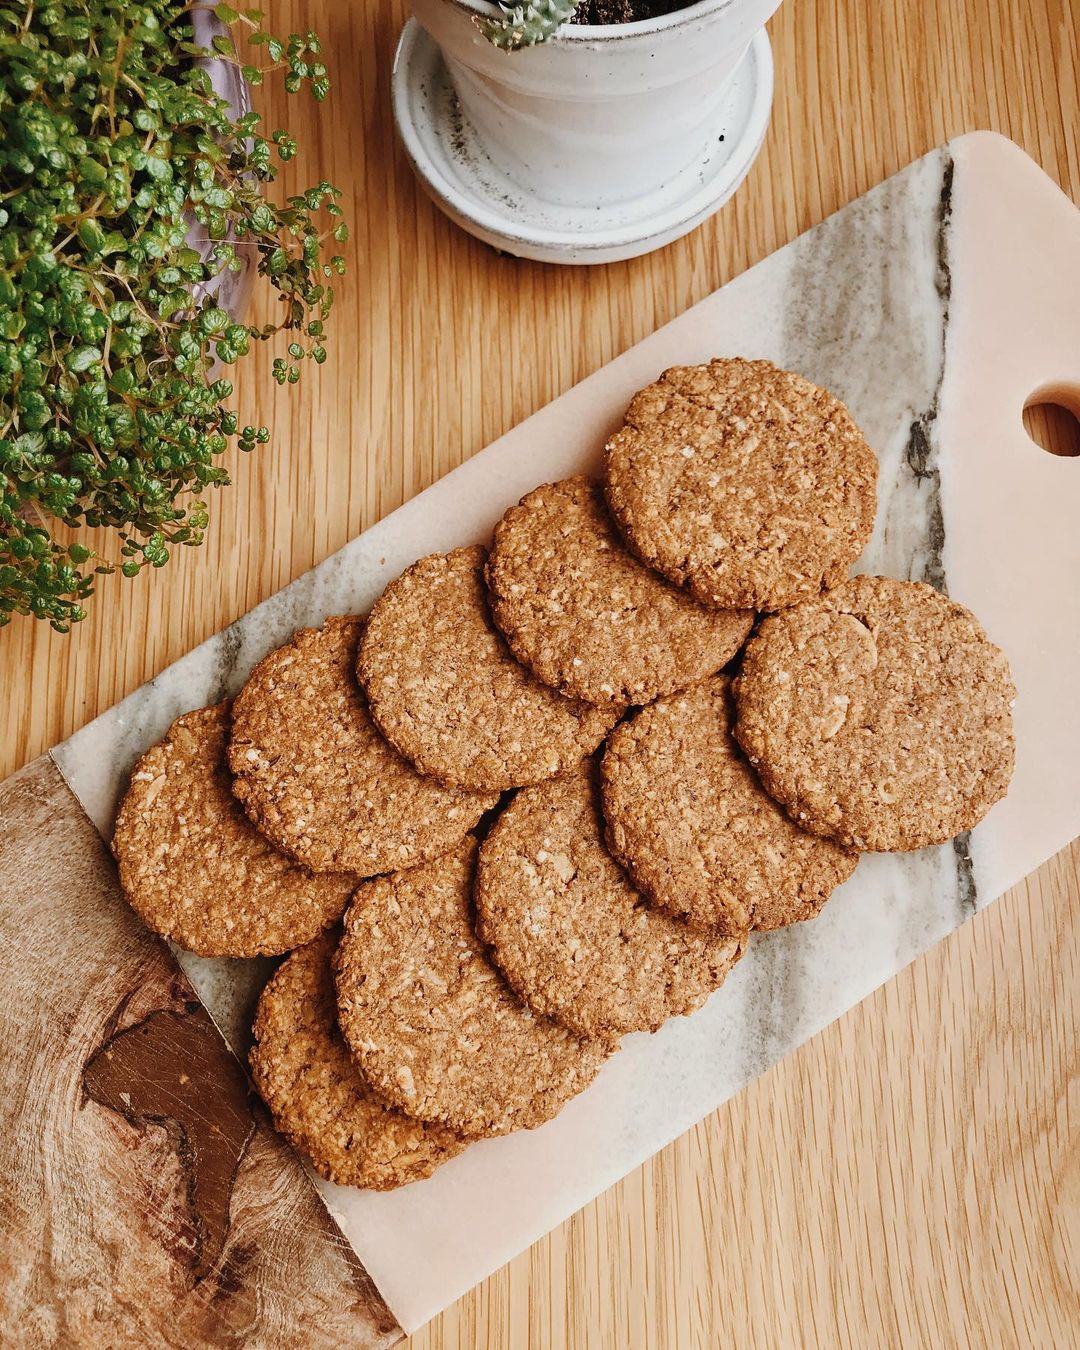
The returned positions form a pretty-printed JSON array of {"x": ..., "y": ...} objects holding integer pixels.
[{"x": 596, "y": 115}]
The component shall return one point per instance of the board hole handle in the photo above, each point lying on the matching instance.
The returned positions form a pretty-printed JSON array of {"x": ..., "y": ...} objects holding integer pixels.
[{"x": 1052, "y": 419}]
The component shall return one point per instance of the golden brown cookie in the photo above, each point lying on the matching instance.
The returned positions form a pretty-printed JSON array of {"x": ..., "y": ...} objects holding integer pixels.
[
  {"x": 195, "y": 869},
  {"x": 569, "y": 931},
  {"x": 745, "y": 483},
  {"x": 317, "y": 1095},
  {"x": 432, "y": 1023},
  {"x": 316, "y": 777},
  {"x": 445, "y": 688},
  {"x": 879, "y": 714},
  {"x": 688, "y": 819},
  {"x": 586, "y": 616}
]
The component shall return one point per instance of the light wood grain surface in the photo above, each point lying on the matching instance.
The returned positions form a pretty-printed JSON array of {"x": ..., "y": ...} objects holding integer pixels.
[{"x": 911, "y": 1177}]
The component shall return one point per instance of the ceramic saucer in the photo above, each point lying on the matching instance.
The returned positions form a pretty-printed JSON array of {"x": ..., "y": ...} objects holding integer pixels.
[{"x": 458, "y": 175}]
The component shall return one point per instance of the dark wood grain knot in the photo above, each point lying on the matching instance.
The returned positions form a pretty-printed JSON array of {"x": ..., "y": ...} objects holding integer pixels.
[{"x": 172, "y": 1070}]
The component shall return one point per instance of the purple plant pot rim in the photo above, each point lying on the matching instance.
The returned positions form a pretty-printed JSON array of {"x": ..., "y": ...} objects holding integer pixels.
[{"x": 231, "y": 290}]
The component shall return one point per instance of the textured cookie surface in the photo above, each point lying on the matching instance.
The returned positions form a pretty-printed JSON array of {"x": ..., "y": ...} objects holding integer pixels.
[
  {"x": 745, "y": 483},
  {"x": 570, "y": 932},
  {"x": 317, "y": 778},
  {"x": 447, "y": 691},
  {"x": 194, "y": 867},
  {"x": 432, "y": 1023},
  {"x": 586, "y": 616},
  {"x": 316, "y": 1094},
  {"x": 687, "y": 818},
  {"x": 880, "y": 714}
]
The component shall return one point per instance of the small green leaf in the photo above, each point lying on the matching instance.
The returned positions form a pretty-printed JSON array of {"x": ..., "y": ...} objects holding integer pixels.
[
  {"x": 92, "y": 235},
  {"x": 93, "y": 172},
  {"x": 82, "y": 358}
]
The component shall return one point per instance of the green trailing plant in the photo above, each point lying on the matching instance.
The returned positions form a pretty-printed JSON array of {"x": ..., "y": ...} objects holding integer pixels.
[
  {"x": 113, "y": 146},
  {"x": 524, "y": 25}
]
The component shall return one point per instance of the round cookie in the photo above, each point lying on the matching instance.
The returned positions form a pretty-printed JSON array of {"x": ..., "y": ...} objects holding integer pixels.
[
  {"x": 445, "y": 689},
  {"x": 430, "y": 1020},
  {"x": 879, "y": 714},
  {"x": 689, "y": 821},
  {"x": 745, "y": 483},
  {"x": 317, "y": 778},
  {"x": 569, "y": 931},
  {"x": 586, "y": 616},
  {"x": 193, "y": 866},
  {"x": 316, "y": 1094}
]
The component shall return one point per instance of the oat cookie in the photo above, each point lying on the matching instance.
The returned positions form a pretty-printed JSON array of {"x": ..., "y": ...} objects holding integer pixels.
[
  {"x": 316, "y": 777},
  {"x": 745, "y": 483},
  {"x": 317, "y": 1095},
  {"x": 688, "y": 819},
  {"x": 196, "y": 870},
  {"x": 879, "y": 714},
  {"x": 445, "y": 688},
  {"x": 433, "y": 1025},
  {"x": 586, "y": 616},
  {"x": 570, "y": 932}
]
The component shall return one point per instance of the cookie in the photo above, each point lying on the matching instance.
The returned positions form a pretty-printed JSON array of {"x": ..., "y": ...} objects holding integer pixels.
[
  {"x": 745, "y": 483},
  {"x": 688, "y": 819},
  {"x": 193, "y": 866},
  {"x": 568, "y": 930},
  {"x": 446, "y": 690},
  {"x": 586, "y": 616},
  {"x": 432, "y": 1023},
  {"x": 316, "y": 1094},
  {"x": 879, "y": 714},
  {"x": 317, "y": 778}
]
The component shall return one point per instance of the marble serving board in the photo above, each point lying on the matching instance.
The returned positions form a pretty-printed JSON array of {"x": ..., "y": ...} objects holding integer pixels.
[{"x": 936, "y": 306}]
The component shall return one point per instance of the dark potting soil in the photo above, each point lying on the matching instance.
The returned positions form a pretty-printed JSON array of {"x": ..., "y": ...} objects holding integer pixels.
[{"x": 624, "y": 11}]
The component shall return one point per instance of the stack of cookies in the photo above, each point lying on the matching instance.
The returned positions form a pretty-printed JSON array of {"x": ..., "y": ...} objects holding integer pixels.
[{"x": 525, "y": 808}]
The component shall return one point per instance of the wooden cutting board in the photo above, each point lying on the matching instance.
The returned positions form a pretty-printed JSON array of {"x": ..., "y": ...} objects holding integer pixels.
[{"x": 145, "y": 1201}]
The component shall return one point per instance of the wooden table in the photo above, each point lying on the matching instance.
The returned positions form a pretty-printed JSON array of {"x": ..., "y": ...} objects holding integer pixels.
[{"x": 908, "y": 1177}]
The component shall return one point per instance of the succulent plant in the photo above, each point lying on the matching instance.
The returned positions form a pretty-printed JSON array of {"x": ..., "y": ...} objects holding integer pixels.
[{"x": 524, "y": 25}]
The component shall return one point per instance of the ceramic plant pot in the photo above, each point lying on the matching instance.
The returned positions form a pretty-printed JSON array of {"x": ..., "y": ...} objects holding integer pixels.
[
  {"x": 597, "y": 116},
  {"x": 231, "y": 290}
]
